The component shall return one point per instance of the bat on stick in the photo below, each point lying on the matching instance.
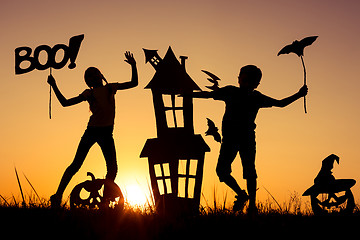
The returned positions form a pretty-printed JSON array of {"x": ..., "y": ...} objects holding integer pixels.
[{"x": 297, "y": 47}]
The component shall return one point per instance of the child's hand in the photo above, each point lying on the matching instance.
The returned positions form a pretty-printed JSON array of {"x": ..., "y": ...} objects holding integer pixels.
[
  {"x": 51, "y": 80},
  {"x": 130, "y": 58},
  {"x": 303, "y": 91}
]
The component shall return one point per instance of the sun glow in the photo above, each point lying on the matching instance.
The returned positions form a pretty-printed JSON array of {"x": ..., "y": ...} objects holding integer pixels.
[{"x": 135, "y": 196}]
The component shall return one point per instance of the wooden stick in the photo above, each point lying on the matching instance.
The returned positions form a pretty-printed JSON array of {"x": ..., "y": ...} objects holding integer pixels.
[{"x": 303, "y": 64}]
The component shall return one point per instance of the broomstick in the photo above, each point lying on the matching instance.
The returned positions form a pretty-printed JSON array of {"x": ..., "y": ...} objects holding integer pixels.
[{"x": 297, "y": 47}]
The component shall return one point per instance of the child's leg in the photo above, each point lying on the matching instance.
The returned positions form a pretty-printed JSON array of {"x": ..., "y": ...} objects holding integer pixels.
[
  {"x": 251, "y": 187},
  {"x": 85, "y": 144},
  {"x": 107, "y": 146},
  {"x": 247, "y": 155},
  {"x": 227, "y": 155}
]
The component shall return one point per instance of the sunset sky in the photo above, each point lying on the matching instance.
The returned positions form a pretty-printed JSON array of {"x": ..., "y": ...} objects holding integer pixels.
[{"x": 219, "y": 36}]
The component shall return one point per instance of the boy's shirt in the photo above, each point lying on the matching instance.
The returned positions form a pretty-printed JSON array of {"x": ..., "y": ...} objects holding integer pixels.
[
  {"x": 102, "y": 105},
  {"x": 241, "y": 108}
]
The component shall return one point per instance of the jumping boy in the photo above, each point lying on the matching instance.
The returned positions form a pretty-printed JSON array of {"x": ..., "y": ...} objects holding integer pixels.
[
  {"x": 238, "y": 129},
  {"x": 101, "y": 99}
]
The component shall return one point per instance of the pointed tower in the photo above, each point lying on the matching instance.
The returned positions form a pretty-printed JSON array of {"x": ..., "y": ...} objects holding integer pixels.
[
  {"x": 176, "y": 156},
  {"x": 153, "y": 57},
  {"x": 173, "y": 114}
]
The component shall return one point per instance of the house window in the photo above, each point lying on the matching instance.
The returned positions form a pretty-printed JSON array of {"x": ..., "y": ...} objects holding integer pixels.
[
  {"x": 174, "y": 111},
  {"x": 187, "y": 177},
  {"x": 155, "y": 60},
  {"x": 162, "y": 174}
]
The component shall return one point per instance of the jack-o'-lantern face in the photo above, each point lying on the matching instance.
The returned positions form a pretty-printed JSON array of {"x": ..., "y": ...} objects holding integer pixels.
[{"x": 96, "y": 194}]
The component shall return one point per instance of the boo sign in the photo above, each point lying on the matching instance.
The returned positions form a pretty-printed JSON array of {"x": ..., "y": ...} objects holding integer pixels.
[{"x": 23, "y": 54}]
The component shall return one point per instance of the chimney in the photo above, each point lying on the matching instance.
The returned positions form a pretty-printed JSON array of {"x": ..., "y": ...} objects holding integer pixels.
[{"x": 183, "y": 59}]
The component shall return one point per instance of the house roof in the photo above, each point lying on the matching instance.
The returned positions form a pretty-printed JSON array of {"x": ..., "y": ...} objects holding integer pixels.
[
  {"x": 149, "y": 54},
  {"x": 181, "y": 147},
  {"x": 171, "y": 76}
]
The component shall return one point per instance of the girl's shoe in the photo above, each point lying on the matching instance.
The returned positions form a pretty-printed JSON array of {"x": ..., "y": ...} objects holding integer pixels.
[
  {"x": 240, "y": 201},
  {"x": 55, "y": 201}
]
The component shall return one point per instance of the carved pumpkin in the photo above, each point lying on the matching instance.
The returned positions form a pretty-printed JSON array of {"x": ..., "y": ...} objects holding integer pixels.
[
  {"x": 97, "y": 199},
  {"x": 326, "y": 194}
]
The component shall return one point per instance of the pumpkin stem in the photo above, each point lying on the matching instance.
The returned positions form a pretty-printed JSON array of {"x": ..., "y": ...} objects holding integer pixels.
[{"x": 91, "y": 175}]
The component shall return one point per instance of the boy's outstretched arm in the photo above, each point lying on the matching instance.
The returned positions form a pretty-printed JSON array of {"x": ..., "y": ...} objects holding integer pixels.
[
  {"x": 286, "y": 101},
  {"x": 202, "y": 94},
  {"x": 134, "y": 75},
  {"x": 63, "y": 101}
]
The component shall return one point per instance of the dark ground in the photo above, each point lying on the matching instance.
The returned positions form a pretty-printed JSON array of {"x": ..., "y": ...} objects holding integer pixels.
[{"x": 44, "y": 223}]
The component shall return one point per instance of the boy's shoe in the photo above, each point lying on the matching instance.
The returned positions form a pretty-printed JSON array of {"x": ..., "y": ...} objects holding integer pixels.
[
  {"x": 252, "y": 211},
  {"x": 240, "y": 201},
  {"x": 55, "y": 201}
]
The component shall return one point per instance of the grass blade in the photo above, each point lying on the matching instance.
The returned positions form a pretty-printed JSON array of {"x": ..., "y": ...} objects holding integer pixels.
[
  {"x": 223, "y": 208},
  {"x": 21, "y": 191},
  {"x": 16, "y": 205},
  {"x": 273, "y": 198},
  {"x": 7, "y": 204},
  {"x": 33, "y": 189}
]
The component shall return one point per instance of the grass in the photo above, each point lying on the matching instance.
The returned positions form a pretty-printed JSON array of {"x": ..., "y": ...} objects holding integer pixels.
[
  {"x": 32, "y": 217},
  {"x": 35, "y": 219}
]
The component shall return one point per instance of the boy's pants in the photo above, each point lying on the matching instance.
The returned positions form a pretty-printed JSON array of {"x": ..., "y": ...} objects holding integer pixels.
[{"x": 246, "y": 146}]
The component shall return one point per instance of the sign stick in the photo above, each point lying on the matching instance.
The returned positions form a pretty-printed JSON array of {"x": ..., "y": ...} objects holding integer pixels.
[{"x": 50, "y": 96}]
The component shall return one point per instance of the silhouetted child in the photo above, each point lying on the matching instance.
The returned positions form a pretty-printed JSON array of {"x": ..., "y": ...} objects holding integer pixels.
[
  {"x": 238, "y": 129},
  {"x": 101, "y": 99}
]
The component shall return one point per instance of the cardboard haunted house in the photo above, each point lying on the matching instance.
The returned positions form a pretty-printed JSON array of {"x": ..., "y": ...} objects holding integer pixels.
[{"x": 176, "y": 156}]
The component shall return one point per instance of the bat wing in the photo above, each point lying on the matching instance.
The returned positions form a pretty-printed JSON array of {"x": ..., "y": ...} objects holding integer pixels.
[
  {"x": 212, "y": 81},
  {"x": 214, "y": 86},
  {"x": 307, "y": 41},
  {"x": 297, "y": 47},
  {"x": 217, "y": 137},
  {"x": 213, "y": 76},
  {"x": 211, "y": 124},
  {"x": 286, "y": 50},
  {"x": 213, "y": 130}
]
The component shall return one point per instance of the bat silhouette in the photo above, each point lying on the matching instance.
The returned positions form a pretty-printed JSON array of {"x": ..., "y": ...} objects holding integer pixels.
[
  {"x": 213, "y": 79},
  {"x": 297, "y": 47},
  {"x": 213, "y": 131}
]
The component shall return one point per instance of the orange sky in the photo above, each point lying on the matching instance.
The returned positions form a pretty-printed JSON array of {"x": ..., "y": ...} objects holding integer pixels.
[{"x": 219, "y": 36}]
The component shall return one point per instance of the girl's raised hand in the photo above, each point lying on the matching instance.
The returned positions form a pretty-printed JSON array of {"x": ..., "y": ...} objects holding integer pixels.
[{"x": 130, "y": 58}]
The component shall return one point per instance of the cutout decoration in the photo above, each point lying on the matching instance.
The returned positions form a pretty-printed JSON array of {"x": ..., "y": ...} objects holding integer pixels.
[
  {"x": 297, "y": 47},
  {"x": 22, "y": 54},
  {"x": 213, "y": 130},
  {"x": 100, "y": 193},
  {"x": 176, "y": 156},
  {"x": 326, "y": 192},
  {"x": 213, "y": 79}
]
